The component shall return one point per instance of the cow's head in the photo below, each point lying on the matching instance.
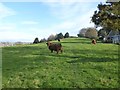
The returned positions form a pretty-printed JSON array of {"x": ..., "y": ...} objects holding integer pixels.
[{"x": 48, "y": 43}]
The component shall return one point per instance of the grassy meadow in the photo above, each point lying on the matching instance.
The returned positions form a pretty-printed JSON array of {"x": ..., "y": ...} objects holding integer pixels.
[{"x": 81, "y": 65}]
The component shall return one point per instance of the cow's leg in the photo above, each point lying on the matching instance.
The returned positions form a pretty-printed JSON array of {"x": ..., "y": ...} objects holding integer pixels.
[
  {"x": 51, "y": 51},
  {"x": 61, "y": 50},
  {"x": 57, "y": 51}
]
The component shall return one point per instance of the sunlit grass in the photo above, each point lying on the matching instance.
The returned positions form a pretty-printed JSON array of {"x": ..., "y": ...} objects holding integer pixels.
[{"x": 81, "y": 65}]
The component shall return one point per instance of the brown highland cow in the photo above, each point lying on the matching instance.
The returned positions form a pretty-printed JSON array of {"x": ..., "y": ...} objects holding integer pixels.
[
  {"x": 54, "y": 47},
  {"x": 93, "y": 41}
]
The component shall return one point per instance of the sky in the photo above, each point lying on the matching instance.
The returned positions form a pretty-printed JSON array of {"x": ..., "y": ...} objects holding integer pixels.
[{"x": 24, "y": 21}]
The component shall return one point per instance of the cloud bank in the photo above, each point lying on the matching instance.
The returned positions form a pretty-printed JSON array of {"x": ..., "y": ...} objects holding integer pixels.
[{"x": 71, "y": 15}]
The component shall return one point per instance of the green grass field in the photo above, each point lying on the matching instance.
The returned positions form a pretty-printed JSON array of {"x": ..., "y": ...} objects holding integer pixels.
[{"x": 81, "y": 65}]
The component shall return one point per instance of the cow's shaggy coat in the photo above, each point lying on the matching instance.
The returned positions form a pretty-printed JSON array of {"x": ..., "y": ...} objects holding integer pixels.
[
  {"x": 54, "y": 47},
  {"x": 93, "y": 41}
]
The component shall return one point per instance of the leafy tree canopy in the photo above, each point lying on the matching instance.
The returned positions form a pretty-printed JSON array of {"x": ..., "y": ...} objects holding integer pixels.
[
  {"x": 91, "y": 33},
  {"x": 36, "y": 41},
  {"x": 59, "y": 36},
  {"x": 107, "y": 15},
  {"x": 66, "y": 35}
]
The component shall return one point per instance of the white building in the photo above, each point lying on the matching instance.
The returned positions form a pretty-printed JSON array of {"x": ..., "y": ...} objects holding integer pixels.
[{"x": 116, "y": 39}]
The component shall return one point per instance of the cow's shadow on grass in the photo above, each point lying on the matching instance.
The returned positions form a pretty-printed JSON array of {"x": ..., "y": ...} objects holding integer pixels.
[
  {"x": 87, "y": 58},
  {"x": 83, "y": 59},
  {"x": 92, "y": 59},
  {"x": 77, "y": 57},
  {"x": 77, "y": 42}
]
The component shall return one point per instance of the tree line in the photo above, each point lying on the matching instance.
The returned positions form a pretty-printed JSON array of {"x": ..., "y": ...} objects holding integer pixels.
[{"x": 52, "y": 37}]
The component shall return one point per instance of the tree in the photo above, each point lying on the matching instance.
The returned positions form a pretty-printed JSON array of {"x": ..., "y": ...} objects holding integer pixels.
[
  {"x": 91, "y": 33},
  {"x": 51, "y": 37},
  {"x": 82, "y": 32},
  {"x": 66, "y": 35},
  {"x": 107, "y": 16},
  {"x": 102, "y": 33},
  {"x": 43, "y": 40},
  {"x": 36, "y": 41},
  {"x": 59, "y": 36}
]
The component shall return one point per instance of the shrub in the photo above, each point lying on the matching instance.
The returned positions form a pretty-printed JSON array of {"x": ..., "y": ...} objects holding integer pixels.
[{"x": 36, "y": 41}]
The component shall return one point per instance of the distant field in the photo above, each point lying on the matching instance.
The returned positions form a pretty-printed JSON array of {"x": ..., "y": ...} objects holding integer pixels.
[{"x": 81, "y": 65}]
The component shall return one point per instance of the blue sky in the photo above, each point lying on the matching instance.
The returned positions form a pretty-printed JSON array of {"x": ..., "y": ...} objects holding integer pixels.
[{"x": 23, "y": 21}]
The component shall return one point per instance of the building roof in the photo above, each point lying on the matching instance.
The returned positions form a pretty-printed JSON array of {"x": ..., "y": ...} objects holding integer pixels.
[{"x": 113, "y": 32}]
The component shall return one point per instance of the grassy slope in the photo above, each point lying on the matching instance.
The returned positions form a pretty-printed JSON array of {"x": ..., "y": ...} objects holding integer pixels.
[
  {"x": 0, "y": 68},
  {"x": 81, "y": 65}
]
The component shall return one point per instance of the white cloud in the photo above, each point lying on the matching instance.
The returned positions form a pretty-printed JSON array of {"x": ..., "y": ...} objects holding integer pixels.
[
  {"x": 4, "y": 28},
  {"x": 7, "y": 26},
  {"x": 65, "y": 9},
  {"x": 15, "y": 36},
  {"x": 64, "y": 25},
  {"x": 63, "y": 1},
  {"x": 5, "y": 11},
  {"x": 70, "y": 1},
  {"x": 73, "y": 16},
  {"x": 29, "y": 22},
  {"x": 70, "y": 23}
]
